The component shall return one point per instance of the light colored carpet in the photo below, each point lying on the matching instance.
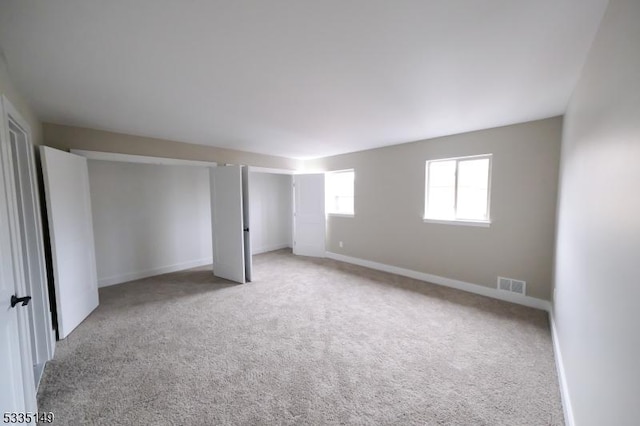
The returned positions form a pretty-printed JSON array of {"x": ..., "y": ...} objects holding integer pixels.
[{"x": 310, "y": 341}]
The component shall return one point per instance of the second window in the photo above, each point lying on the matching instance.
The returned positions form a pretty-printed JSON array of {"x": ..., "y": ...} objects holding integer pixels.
[{"x": 458, "y": 189}]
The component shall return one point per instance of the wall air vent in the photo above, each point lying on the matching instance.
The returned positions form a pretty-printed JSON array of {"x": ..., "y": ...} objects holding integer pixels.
[
  {"x": 514, "y": 286},
  {"x": 504, "y": 284}
]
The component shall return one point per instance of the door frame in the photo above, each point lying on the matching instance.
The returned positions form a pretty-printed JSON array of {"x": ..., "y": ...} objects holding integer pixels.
[
  {"x": 24, "y": 332},
  {"x": 43, "y": 337}
]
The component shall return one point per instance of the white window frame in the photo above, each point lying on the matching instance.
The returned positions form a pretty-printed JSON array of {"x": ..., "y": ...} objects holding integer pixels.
[
  {"x": 455, "y": 221},
  {"x": 330, "y": 213}
]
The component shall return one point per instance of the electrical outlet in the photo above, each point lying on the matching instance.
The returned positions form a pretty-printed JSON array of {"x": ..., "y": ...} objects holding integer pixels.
[{"x": 341, "y": 244}]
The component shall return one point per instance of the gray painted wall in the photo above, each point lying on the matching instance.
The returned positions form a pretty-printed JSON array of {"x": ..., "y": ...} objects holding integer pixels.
[
  {"x": 389, "y": 203},
  {"x": 598, "y": 248},
  {"x": 148, "y": 219}
]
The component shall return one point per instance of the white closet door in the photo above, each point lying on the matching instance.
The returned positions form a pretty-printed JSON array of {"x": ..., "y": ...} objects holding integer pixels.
[
  {"x": 227, "y": 223},
  {"x": 66, "y": 182},
  {"x": 309, "y": 218}
]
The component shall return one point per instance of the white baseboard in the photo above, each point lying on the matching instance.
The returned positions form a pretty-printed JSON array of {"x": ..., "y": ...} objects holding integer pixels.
[
  {"x": 130, "y": 276},
  {"x": 562, "y": 378},
  {"x": 531, "y": 302},
  {"x": 265, "y": 249},
  {"x": 38, "y": 371}
]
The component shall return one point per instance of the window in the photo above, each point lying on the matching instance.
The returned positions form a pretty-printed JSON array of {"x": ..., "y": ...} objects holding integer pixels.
[
  {"x": 339, "y": 192},
  {"x": 458, "y": 189}
]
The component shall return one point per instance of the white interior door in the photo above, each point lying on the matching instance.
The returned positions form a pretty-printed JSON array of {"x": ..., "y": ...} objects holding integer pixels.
[
  {"x": 308, "y": 216},
  {"x": 227, "y": 223},
  {"x": 248, "y": 258},
  {"x": 17, "y": 388},
  {"x": 66, "y": 182},
  {"x": 30, "y": 227},
  {"x": 11, "y": 384}
]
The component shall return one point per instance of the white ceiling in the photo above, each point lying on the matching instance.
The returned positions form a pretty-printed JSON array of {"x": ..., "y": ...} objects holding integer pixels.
[{"x": 297, "y": 78}]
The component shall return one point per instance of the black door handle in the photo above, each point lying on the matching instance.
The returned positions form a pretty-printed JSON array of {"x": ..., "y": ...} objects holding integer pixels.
[
  {"x": 246, "y": 229},
  {"x": 15, "y": 300}
]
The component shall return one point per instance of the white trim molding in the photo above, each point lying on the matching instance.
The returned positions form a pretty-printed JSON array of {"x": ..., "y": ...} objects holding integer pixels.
[
  {"x": 254, "y": 169},
  {"x": 136, "y": 275},
  {"x": 531, "y": 302},
  {"x": 562, "y": 378},
  {"x": 142, "y": 159},
  {"x": 341, "y": 215},
  {"x": 480, "y": 223}
]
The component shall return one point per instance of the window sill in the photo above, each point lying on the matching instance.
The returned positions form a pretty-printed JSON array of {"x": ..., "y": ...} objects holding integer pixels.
[
  {"x": 341, "y": 214},
  {"x": 480, "y": 223}
]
